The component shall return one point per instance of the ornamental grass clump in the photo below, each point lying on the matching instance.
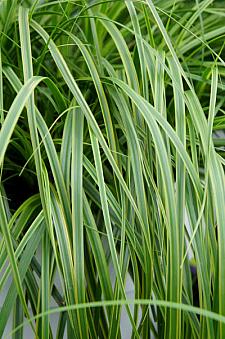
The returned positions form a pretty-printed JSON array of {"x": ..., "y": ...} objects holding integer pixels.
[{"x": 112, "y": 168}]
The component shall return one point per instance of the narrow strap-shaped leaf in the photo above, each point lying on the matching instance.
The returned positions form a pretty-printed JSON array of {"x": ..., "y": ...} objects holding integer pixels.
[
  {"x": 77, "y": 214},
  {"x": 14, "y": 113}
]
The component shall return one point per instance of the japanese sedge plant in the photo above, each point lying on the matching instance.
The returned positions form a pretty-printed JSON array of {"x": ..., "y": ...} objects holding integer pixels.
[{"x": 111, "y": 162}]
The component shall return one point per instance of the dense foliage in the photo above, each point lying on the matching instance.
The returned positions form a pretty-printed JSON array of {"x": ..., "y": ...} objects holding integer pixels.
[{"x": 112, "y": 163}]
